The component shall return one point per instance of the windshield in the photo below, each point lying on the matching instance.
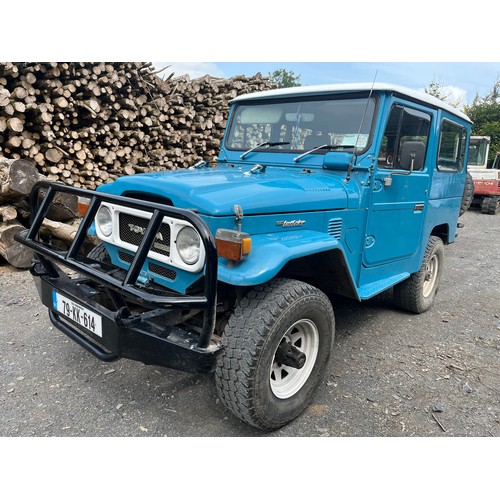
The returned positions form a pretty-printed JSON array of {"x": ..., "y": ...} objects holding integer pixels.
[
  {"x": 477, "y": 152},
  {"x": 303, "y": 125}
]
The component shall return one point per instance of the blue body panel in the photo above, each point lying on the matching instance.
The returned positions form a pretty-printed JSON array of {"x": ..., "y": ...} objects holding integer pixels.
[
  {"x": 270, "y": 253},
  {"x": 215, "y": 191},
  {"x": 381, "y": 231},
  {"x": 176, "y": 279}
]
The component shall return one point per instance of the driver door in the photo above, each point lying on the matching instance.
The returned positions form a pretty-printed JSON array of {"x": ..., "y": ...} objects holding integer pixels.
[{"x": 398, "y": 201}]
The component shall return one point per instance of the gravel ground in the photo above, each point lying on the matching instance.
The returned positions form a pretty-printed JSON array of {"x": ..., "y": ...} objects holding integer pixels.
[{"x": 391, "y": 373}]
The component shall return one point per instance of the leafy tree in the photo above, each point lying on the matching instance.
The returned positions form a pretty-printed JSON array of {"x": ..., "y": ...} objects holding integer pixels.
[
  {"x": 494, "y": 96},
  {"x": 284, "y": 78},
  {"x": 485, "y": 114},
  {"x": 438, "y": 90}
]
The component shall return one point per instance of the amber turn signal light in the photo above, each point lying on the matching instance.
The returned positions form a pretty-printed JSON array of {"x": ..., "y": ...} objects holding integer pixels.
[
  {"x": 232, "y": 245},
  {"x": 83, "y": 205}
]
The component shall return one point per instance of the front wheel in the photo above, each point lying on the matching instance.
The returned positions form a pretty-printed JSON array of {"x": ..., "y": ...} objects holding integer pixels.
[
  {"x": 276, "y": 347},
  {"x": 100, "y": 254},
  {"x": 416, "y": 294}
]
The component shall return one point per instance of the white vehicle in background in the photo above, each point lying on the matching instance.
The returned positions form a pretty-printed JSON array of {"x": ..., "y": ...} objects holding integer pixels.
[{"x": 486, "y": 180}]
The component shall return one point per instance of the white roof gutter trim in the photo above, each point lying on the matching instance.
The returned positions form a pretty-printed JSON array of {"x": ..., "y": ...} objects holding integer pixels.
[{"x": 353, "y": 87}]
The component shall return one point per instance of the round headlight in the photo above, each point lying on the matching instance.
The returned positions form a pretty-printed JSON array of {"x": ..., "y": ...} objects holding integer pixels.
[
  {"x": 104, "y": 221},
  {"x": 188, "y": 245}
]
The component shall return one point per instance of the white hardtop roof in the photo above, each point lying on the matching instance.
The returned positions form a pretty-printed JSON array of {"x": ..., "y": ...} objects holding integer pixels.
[{"x": 353, "y": 87}]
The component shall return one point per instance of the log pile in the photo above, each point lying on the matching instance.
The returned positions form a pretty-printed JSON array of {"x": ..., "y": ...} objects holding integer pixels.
[
  {"x": 85, "y": 124},
  {"x": 17, "y": 177}
]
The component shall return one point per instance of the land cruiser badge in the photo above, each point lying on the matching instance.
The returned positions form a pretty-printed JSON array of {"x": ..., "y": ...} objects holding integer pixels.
[{"x": 290, "y": 223}]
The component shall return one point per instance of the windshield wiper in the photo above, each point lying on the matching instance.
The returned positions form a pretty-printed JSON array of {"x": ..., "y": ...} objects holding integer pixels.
[
  {"x": 269, "y": 144},
  {"x": 324, "y": 146}
]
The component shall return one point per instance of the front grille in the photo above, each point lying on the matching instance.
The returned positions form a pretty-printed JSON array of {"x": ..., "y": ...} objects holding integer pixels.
[
  {"x": 126, "y": 257},
  {"x": 170, "y": 274},
  {"x": 165, "y": 272},
  {"x": 132, "y": 229}
]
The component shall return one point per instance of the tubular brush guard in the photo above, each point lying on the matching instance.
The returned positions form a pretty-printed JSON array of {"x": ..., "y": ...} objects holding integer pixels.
[{"x": 145, "y": 335}]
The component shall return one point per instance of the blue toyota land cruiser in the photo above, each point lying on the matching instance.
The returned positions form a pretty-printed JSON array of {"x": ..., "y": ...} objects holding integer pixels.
[{"x": 317, "y": 191}]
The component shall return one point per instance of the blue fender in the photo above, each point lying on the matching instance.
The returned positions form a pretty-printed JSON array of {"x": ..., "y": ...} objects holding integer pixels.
[{"x": 270, "y": 253}]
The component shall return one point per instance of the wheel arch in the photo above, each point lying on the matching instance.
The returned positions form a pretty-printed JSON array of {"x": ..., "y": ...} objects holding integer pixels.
[
  {"x": 309, "y": 256},
  {"x": 327, "y": 270},
  {"x": 443, "y": 232}
]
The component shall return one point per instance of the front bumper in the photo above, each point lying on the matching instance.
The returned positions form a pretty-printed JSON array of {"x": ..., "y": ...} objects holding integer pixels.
[{"x": 136, "y": 322}]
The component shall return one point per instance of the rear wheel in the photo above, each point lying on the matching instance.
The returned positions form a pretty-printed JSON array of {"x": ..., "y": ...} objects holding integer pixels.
[
  {"x": 277, "y": 344},
  {"x": 416, "y": 294},
  {"x": 468, "y": 194}
]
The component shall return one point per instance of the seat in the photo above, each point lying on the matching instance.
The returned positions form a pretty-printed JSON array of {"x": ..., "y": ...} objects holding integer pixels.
[{"x": 314, "y": 140}]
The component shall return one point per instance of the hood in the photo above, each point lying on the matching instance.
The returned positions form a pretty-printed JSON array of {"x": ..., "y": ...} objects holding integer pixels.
[{"x": 215, "y": 191}]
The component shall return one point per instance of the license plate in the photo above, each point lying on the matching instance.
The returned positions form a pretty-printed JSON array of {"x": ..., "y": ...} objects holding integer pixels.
[{"x": 81, "y": 315}]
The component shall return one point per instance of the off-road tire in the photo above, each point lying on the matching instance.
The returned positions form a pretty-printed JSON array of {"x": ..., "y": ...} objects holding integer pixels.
[
  {"x": 468, "y": 194},
  {"x": 251, "y": 338},
  {"x": 100, "y": 254},
  {"x": 416, "y": 294}
]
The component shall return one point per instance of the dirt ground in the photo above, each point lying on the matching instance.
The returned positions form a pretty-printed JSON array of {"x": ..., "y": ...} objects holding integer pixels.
[{"x": 391, "y": 373}]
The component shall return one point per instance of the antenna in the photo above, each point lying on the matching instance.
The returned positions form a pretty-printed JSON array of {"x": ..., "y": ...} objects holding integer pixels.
[{"x": 351, "y": 164}]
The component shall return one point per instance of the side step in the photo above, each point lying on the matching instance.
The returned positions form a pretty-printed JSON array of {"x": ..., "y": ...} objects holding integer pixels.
[{"x": 370, "y": 290}]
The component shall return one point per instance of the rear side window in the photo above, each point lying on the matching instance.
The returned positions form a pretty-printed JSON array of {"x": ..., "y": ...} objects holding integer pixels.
[
  {"x": 451, "y": 152},
  {"x": 404, "y": 125}
]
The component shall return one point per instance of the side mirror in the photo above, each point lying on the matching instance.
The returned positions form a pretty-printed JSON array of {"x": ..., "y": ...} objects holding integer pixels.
[{"x": 412, "y": 155}]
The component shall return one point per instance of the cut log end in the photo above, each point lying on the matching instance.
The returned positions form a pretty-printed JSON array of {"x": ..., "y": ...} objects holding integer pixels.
[{"x": 12, "y": 251}]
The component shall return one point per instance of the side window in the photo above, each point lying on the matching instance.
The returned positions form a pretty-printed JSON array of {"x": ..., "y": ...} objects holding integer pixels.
[
  {"x": 451, "y": 147},
  {"x": 404, "y": 125}
]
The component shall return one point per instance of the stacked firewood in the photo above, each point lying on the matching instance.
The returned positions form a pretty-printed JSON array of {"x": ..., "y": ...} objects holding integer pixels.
[
  {"x": 87, "y": 123},
  {"x": 17, "y": 178}
]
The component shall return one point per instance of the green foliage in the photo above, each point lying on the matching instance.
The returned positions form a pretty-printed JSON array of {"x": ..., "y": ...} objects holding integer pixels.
[
  {"x": 284, "y": 78},
  {"x": 485, "y": 113},
  {"x": 437, "y": 89}
]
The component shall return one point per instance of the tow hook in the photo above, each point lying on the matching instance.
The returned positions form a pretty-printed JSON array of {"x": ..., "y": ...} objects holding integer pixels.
[{"x": 287, "y": 354}]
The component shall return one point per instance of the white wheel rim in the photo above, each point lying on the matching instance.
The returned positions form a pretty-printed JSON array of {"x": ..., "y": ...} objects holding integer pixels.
[
  {"x": 286, "y": 380},
  {"x": 431, "y": 271}
]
